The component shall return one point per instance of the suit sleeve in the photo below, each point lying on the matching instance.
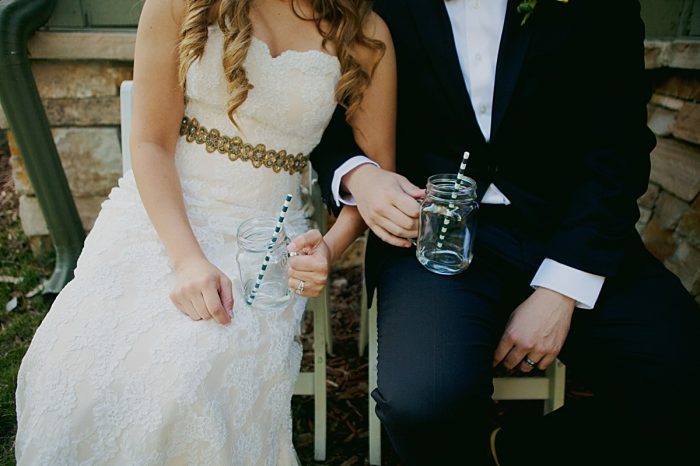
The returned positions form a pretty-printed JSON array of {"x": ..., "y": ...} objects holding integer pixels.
[
  {"x": 336, "y": 147},
  {"x": 613, "y": 92}
]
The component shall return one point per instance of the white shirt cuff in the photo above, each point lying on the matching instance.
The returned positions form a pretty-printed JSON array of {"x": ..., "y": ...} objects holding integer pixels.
[
  {"x": 343, "y": 170},
  {"x": 583, "y": 287}
]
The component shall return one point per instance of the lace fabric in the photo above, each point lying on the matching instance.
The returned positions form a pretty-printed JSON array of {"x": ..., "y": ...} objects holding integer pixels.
[{"x": 115, "y": 374}]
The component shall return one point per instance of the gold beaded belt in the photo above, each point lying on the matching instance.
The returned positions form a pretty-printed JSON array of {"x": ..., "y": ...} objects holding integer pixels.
[{"x": 236, "y": 149}]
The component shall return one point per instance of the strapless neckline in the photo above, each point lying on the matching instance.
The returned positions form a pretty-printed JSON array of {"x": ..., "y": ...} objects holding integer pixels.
[{"x": 288, "y": 52}]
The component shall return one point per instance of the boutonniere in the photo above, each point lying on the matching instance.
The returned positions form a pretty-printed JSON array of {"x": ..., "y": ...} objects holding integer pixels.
[{"x": 527, "y": 7}]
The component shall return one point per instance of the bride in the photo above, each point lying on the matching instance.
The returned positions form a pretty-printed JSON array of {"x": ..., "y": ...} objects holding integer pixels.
[{"x": 151, "y": 354}]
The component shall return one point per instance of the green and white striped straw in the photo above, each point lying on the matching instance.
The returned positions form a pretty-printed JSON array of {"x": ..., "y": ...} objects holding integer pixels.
[
  {"x": 266, "y": 261},
  {"x": 455, "y": 192}
]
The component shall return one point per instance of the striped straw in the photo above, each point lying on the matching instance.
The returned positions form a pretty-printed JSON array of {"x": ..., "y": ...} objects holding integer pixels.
[
  {"x": 455, "y": 192},
  {"x": 266, "y": 261}
]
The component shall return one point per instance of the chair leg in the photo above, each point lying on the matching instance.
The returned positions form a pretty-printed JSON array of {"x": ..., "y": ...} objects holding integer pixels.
[
  {"x": 556, "y": 373},
  {"x": 364, "y": 323},
  {"x": 325, "y": 306},
  {"x": 375, "y": 428},
  {"x": 319, "y": 379},
  {"x": 320, "y": 219}
]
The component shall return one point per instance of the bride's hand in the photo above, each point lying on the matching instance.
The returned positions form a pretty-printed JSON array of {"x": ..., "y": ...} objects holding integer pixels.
[
  {"x": 310, "y": 264},
  {"x": 203, "y": 291}
]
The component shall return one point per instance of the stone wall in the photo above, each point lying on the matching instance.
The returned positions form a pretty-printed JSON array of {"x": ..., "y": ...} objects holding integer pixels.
[
  {"x": 82, "y": 104},
  {"x": 670, "y": 210},
  {"x": 78, "y": 75}
]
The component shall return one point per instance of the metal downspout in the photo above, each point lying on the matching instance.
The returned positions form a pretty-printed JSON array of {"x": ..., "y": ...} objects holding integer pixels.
[{"x": 27, "y": 119}]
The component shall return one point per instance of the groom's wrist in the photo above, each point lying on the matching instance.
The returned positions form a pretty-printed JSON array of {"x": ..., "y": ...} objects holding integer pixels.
[
  {"x": 350, "y": 183},
  {"x": 338, "y": 189}
]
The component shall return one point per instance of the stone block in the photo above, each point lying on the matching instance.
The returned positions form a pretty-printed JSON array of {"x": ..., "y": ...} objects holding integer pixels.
[
  {"x": 83, "y": 45},
  {"x": 661, "y": 120},
  {"x": 644, "y": 215},
  {"x": 685, "y": 54},
  {"x": 61, "y": 79},
  {"x": 648, "y": 200},
  {"x": 656, "y": 53},
  {"x": 689, "y": 225},
  {"x": 33, "y": 222},
  {"x": 669, "y": 210},
  {"x": 659, "y": 241},
  {"x": 91, "y": 158},
  {"x": 93, "y": 111},
  {"x": 685, "y": 263},
  {"x": 664, "y": 101},
  {"x": 682, "y": 86},
  {"x": 3, "y": 119},
  {"x": 676, "y": 167},
  {"x": 687, "y": 124}
]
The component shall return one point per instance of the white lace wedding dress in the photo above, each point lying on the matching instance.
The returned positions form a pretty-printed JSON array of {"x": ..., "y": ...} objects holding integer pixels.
[{"x": 116, "y": 375}]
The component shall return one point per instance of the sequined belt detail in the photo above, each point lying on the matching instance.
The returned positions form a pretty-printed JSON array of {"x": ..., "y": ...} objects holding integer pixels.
[{"x": 236, "y": 149}]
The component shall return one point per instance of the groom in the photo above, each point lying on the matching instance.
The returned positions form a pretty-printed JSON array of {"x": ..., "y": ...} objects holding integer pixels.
[{"x": 549, "y": 96}]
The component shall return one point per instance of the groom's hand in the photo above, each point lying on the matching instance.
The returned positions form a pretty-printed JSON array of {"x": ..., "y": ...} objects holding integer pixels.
[
  {"x": 536, "y": 331},
  {"x": 387, "y": 203}
]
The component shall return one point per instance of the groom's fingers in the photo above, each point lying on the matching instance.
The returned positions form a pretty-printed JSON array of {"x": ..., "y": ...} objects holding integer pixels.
[
  {"x": 389, "y": 238},
  {"x": 504, "y": 347},
  {"x": 390, "y": 225},
  {"x": 408, "y": 206},
  {"x": 411, "y": 189}
]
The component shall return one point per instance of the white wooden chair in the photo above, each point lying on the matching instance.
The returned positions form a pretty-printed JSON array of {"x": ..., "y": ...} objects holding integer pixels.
[
  {"x": 550, "y": 387},
  {"x": 308, "y": 383}
]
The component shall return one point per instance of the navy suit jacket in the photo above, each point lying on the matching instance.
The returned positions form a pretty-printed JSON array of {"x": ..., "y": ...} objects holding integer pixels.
[{"x": 569, "y": 143}]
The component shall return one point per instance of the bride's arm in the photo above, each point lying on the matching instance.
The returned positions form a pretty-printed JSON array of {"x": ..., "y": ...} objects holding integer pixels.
[
  {"x": 374, "y": 127},
  {"x": 202, "y": 290}
]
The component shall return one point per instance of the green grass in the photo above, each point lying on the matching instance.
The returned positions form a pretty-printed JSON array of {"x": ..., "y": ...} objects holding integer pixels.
[{"x": 17, "y": 326}]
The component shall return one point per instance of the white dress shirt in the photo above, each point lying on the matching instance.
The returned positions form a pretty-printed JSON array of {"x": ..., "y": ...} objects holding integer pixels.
[{"x": 477, "y": 26}]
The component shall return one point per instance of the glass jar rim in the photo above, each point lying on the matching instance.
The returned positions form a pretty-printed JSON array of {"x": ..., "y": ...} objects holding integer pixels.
[
  {"x": 442, "y": 186},
  {"x": 255, "y": 234}
]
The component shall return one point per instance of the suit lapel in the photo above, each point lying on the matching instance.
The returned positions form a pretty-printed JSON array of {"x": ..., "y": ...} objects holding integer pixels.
[
  {"x": 511, "y": 55},
  {"x": 435, "y": 30}
]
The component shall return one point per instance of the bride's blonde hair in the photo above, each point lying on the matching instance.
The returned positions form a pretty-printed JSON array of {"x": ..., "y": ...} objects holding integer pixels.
[{"x": 340, "y": 22}]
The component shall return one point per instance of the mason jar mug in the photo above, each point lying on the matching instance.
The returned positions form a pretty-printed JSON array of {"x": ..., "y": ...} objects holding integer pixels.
[
  {"x": 447, "y": 224},
  {"x": 254, "y": 243}
]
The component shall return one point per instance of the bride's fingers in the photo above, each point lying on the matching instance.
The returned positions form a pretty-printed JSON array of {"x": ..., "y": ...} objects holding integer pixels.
[
  {"x": 214, "y": 305},
  {"x": 189, "y": 310},
  {"x": 311, "y": 290},
  {"x": 199, "y": 306},
  {"x": 316, "y": 278},
  {"x": 226, "y": 294},
  {"x": 306, "y": 242}
]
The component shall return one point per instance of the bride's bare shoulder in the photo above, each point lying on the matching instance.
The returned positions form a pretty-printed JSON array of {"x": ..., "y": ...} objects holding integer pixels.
[
  {"x": 374, "y": 28},
  {"x": 164, "y": 11}
]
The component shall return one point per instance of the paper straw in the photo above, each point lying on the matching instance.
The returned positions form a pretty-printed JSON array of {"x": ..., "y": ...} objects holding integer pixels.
[
  {"x": 266, "y": 261},
  {"x": 455, "y": 192}
]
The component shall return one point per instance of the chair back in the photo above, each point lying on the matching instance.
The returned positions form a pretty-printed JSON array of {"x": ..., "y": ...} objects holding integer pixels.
[{"x": 127, "y": 110}]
